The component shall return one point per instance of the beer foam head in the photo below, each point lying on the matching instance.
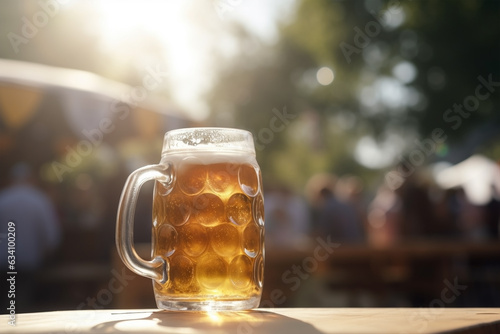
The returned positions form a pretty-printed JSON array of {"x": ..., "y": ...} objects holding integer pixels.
[{"x": 199, "y": 140}]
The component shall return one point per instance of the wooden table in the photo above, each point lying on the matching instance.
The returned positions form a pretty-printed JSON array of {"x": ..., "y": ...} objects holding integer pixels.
[{"x": 280, "y": 320}]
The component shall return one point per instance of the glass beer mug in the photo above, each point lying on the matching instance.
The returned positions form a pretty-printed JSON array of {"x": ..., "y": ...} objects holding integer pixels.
[{"x": 208, "y": 221}]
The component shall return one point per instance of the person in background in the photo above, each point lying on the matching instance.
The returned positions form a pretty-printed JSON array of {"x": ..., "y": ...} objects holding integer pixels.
[
  {"x": 334, "y": 216},
  {"x": 37, "y": 232}
]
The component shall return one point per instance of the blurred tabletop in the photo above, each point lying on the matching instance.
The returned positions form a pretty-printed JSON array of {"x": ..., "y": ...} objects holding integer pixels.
[{"x": 279, "y": 320}]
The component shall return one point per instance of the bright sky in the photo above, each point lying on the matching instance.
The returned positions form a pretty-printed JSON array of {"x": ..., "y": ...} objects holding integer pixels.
[{"x": 190, "y": 32}]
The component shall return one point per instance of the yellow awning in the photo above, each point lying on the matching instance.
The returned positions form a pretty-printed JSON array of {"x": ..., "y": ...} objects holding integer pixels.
[{"x": 18, "y": 104}]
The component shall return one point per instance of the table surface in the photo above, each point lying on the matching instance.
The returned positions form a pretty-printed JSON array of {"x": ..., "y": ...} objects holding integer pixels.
[{"x": 279, "y": 320}]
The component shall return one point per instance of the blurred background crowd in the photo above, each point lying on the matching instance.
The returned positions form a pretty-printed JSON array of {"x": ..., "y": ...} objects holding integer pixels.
[{"x": 376, "y": 126}]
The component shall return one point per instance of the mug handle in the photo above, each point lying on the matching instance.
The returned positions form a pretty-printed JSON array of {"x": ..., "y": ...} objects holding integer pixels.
[{"x": 156, "y": 268}]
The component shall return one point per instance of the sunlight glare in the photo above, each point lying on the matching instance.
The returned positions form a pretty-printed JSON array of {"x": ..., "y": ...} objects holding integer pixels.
[
  {"x": 123, "y": 17},
  {"x": 178, "y": 34},
  {"x": 215, "y": 317}
]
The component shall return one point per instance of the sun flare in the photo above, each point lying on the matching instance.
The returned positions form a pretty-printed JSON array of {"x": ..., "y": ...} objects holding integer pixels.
[{"x": 177, "y": 32}]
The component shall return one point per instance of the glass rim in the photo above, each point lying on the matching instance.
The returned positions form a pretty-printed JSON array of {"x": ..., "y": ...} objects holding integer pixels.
[{"x": 208, "y": 139}]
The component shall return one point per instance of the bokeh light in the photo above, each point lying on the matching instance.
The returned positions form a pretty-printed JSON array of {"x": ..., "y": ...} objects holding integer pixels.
[{"x": 325, "y": 76}]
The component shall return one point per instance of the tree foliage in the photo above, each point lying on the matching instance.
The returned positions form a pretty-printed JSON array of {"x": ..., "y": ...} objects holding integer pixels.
[{"x": 399, "y": 67}]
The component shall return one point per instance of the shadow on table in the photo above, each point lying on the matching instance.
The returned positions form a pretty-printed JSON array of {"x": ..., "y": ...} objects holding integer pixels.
[{"x": 246, "y": 322}]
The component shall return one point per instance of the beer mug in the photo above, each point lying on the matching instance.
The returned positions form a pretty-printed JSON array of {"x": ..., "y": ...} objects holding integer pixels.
[{"x": 208, "y": 221}]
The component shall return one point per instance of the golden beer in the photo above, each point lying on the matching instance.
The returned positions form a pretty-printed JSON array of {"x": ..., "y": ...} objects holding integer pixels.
[{"x": 208, "y": 226}]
